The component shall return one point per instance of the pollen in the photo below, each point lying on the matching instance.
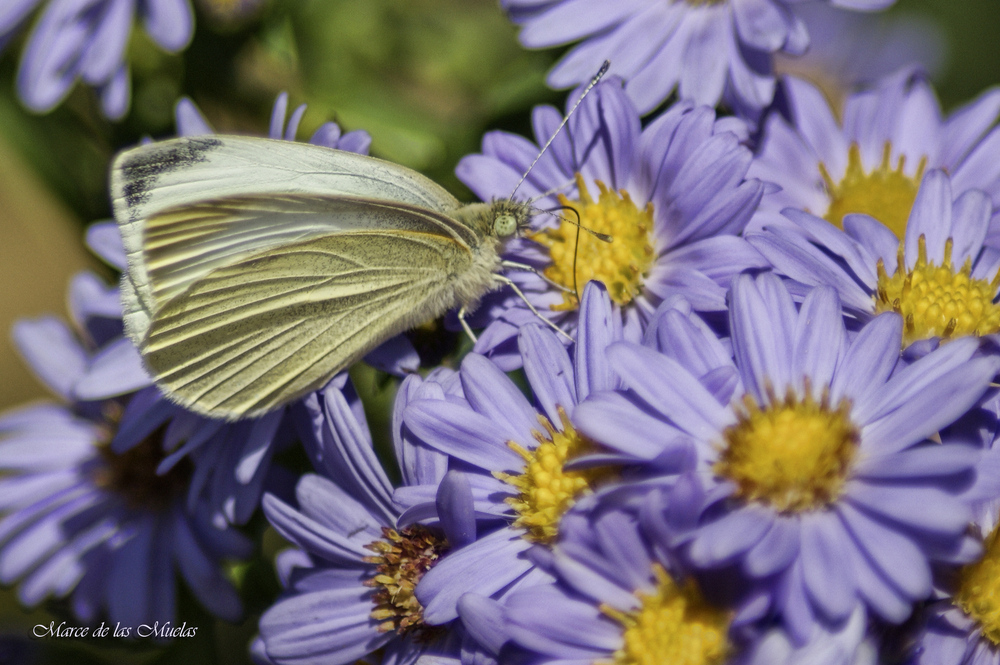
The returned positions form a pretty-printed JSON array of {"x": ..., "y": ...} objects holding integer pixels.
[
  {"x": 792, "y": 454},
  {"x": 978, "y": 592},
  {"x": 887, "y": 193},
  {"x": 621, "y": 265},
  {"x": 546, "y": 489},
  {"x": 401, "y": 559},
  {"x": 674, "y": 624},
  {"x": 937, "y": 300}
]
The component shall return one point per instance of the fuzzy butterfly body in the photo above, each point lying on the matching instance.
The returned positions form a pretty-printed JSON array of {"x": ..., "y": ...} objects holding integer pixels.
[{"x": 258, "y": 269}]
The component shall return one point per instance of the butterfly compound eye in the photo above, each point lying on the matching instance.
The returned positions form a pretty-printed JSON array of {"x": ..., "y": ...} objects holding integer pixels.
[{"x": 504, "y": 224}]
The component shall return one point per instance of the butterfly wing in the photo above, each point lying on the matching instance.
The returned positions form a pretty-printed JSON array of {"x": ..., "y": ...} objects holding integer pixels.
[
  {"x": 257, "y": 269},
  {"x": 174, "y": 175},
  {"x": 264, "y": 329}
]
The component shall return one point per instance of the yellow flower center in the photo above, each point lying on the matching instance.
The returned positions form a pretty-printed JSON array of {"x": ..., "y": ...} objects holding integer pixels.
[
  {"x": 621, "y": 264},
  {"x": 674, "y": 625},
  {"x": 546, "y": 490},
  {"x": 978, "y": 592},
  {"x": 937, "y": 301},
  {"x": 793, "y": 454},
  {"x": 887, "y": 193},
  {"x": 401, "y": 558}
]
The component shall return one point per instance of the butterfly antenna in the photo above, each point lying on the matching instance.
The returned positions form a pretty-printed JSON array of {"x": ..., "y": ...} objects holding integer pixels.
[
  {"x": 576, "y": 253},
  {"x": 590, "y": 86},
  {"x": 603, "y": 237},
  {"x": 559, "y": 188}
]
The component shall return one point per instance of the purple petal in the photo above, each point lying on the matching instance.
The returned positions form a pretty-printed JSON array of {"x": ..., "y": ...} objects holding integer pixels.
[
  {"x": 326, "y": 627},
  {"x": 600, "y": 325},
  {"x": 545, "y": 620},
  {"x": 615, "y": 421},
  {"x": 495, "y": 396},
  {"x": 102, "y": 56},
  {"x": 456, "y": 510},
  {"x": 930, "y": 217},
  {"x": 52, "y": 351},
  {"x": 105, "y": 241},
  {"x": 703, "y": 76},
  {"x": 762, "y": 319},
  {"x": 932, "y": 409},
  {"x": 203, "y": 575},
  {"x": 549, "y": 371},
  {"x": 189, "y": 120},
  {"x": 869, "y": 360},
  {"x": 169, "y": 22},
  {"x": 820, "y": 338},
  {"x": 117, "y": 369},
  {"x": 775, "y": 551},
  {"x": 462, "y": 433},
  {"x": 670, "y": 389},
  {"x": 924, "y": 509},
  {"x": 731, "y": 535},
  {"x": 484, "y": 567},
  {"x": 895, "y": 556},
  {"x": 825, "y": 566}
]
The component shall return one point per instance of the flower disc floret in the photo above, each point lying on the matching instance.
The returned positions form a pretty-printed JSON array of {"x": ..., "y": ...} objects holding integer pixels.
[
  {"x": 886, "y": 193},
  {"x": 402, "y": 557},
  {"x": 133, "y": 475},
  {"x": 546, "y": 489},
  {"x": 621, "y": 264},
  {"x": 792, "y": 454},
  {"x": 937, "y": 300},
  {"x": 978, "y": 592},
  {"x": 674, "y": 624}
]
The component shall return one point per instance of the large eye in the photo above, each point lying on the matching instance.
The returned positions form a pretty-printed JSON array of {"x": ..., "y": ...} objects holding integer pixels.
[{"x": 504, "y": 224}]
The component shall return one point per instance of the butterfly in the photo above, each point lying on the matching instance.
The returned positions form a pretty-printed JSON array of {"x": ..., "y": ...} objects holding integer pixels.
[{"x": 258, "y": 268}]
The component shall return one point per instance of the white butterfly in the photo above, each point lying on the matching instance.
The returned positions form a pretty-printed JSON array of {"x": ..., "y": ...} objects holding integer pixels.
[{"x": 258, "y": 269}]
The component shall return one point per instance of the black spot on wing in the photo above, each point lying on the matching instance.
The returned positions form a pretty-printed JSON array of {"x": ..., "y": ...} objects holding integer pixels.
[{"x": 142, "y": 168}]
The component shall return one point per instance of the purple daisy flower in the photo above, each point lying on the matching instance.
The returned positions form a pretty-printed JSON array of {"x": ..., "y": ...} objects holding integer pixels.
[
  {"x": 704, "y": 49},
  {"x": 525, "y": 461},
  {"x": 872, "y": 160},
  {"x": 816, "y": 478},
  {"x": 86, "y": 40},
  {"x": 962, "y": 624},
  {"x": 673, "y": 196},
  {"x": 617, "y": 597},
  {"x": 350, "y": 585},
  {"x": 109, "y": 530},
  {"x": 234, "y": 458},
  {"x": 848, "y": 49},
  {"x": 941, "y": 277}
]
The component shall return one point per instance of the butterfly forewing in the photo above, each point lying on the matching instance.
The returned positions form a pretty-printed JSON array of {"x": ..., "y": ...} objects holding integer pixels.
[
  {"x": 255, "y": 334},
  {"x": 183, "y": 172},
  {"x": 184, "y": 244}
]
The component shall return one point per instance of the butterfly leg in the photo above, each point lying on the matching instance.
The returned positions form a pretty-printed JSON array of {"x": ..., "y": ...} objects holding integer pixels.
[
  {"x": 507, "y": 282},
  {"x": 462, "y": 313},
  {"x": 514, "y": 265}
]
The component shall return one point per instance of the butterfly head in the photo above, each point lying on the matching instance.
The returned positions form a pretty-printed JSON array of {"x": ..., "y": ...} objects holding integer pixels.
[{"x": 508, "y": 217}]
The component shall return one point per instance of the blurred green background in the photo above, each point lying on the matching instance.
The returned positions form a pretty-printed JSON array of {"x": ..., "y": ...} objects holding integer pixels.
[{"x": 425, "y": 77}]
